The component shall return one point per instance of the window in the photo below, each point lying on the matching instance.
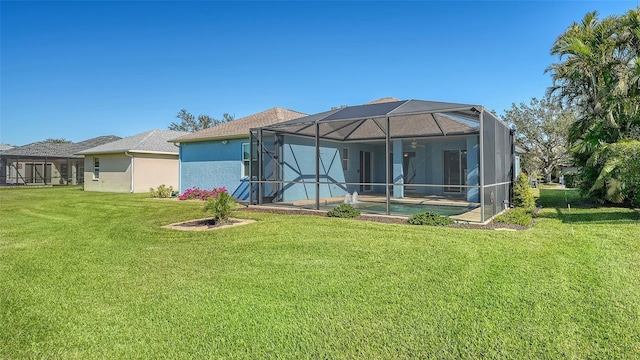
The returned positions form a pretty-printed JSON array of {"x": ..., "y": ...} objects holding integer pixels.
[
  {"x": 345, "y": 159},
  {"x": 246, "y": 156},
  {"x": 96, "y": 168}
]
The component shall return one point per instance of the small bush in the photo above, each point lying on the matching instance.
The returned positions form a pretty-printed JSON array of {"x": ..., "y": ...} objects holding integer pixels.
[
  {"x": 196, "y": 193},
  {"x": 221, "y": 206},
  {"x": 343, "y": 211},
  {"x": 519, "y": 216},
  {"x": 161, "y": 192},
  {"x": 571, "y": 180},
  {"x": 522, "y": 193},
  {"x": 430, "y": 218}
]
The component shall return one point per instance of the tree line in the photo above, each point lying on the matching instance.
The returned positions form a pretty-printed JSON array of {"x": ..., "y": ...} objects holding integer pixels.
[
  {"x": 190, "y": 123},
  {"x": 590, "y": 116}
]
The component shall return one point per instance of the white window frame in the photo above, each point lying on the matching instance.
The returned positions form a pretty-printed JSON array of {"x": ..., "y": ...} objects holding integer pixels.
[
  {"x": 246, "y": 160},
  {"x": 96, "y": 168},
  {"x": 345, "y": 159}
]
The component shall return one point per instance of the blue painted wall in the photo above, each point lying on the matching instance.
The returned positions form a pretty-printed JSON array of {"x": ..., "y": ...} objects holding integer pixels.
[
  {"x": 212, "y": 164},
  {"x": 298, "y": 163},
  {"x": 473, "y": 168}
]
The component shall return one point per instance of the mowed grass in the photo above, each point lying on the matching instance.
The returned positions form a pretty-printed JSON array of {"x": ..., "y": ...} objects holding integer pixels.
[{"x": 91, "y": 275}]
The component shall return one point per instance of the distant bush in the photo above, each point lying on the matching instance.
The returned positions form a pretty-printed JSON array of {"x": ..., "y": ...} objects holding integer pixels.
[
  {"x": 571, "y": 180},
  {"x": 196, "y": 193},
  {"x": 522, "y": 193},
  {"x": 161, "y": 192},
  {"x": 519, "y": 216},
  {"x": 430, "y": 218},
  {"x": 343, "y": 211},
  {"x": 220, "y": 205}
]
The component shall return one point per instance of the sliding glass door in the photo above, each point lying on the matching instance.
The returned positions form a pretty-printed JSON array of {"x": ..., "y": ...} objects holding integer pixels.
[{"x": 455, "y": 170}]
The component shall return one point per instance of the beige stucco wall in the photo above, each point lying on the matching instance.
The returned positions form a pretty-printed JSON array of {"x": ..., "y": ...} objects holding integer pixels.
[
  {"x": 115, "y": 175},
  {"x": 152, "y": 170}
]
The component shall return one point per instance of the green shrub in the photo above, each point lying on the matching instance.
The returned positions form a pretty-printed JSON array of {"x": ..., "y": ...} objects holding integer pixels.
[
  {"x": 161, "y": 192},
  {"x": 522, "y": 193},
  {"x": 221, "y": 206},
  {"x": 519, "y": 216},
  {"x": 343, "y": 211},
  {"x": 618, "y": 180},
  {"x": 571, "y": 180},
  {"x": 430, "y": 218}
]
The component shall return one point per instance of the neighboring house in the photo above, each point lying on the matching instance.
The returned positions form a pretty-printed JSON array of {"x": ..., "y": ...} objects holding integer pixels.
[
  {"x": 46, "y": 163},
  {"x": 517, "y": 168},
  {"x": 3, "y": 165},
  {"x": 133, "y": 164},
  {"x": 219, "y": 156}
]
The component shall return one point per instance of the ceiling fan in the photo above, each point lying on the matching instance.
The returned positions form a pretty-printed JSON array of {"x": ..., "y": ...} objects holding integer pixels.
[{"x": 414, "y": 144}]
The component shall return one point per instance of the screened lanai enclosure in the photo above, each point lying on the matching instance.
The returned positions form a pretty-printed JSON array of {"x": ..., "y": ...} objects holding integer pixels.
[
  {"x": 393, "y": 158},
  {"x": 46, "y": 163}
]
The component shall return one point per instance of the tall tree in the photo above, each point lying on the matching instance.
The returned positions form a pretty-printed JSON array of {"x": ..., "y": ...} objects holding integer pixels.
[
  {"x": 542, "y": 127},
  {"x": 599, "y": 74},
  {"x": 189, "y": 123},
  {"x": 57, "y": 141}
]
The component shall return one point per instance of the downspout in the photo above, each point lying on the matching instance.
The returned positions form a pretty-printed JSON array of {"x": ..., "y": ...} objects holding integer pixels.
[
  {"x": 131, "y": 156},
  {"x": 179, "y": 167}
]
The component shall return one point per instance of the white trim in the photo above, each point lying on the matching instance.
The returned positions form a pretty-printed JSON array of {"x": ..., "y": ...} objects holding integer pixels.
[
  {"x": 132, "y": 177},
  {"x": 345, "y": 168},
  {"x": 107, "y": 152},
  {"x": 93, "y": 171},
  {"x": 242, "y": 160}
]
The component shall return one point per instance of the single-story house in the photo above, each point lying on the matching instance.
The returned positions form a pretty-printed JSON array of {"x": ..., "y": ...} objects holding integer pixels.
[
  {"x": 133, "y": 164},
  {"x": 46, "y": 163},
  {"x": 403, "y": 156},
  {"x": 219, "y": 156},
  {"x": 517, "y": 168}
]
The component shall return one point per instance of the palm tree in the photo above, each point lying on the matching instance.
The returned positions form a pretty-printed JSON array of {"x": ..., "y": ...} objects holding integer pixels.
[{"x": 599, "y": 74}]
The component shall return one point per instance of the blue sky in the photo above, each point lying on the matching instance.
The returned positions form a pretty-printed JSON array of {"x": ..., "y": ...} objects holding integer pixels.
[{"x": 77, "y": 70}]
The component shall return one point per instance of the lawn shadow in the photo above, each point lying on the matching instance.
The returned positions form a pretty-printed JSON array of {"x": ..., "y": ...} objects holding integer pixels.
[
  {"x": 601, "y": 215},
  {"x": 570, "y": 207}
]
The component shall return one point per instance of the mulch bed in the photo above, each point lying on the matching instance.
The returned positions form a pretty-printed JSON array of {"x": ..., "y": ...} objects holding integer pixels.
[
  {"x": 207, "y": 224},
  {"x": 203, "y": 222},
  {"x": 384, "y": 219}
]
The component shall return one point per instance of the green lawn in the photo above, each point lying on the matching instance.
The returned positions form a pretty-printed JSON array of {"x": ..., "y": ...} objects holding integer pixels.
[{"x": 91, "y": 275}]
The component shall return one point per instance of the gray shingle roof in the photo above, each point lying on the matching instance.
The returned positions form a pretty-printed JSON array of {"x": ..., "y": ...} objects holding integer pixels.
[
  {"x": 154, "y": 141},
  {"x": 409, "y": 118},
  {"x": 55, "y": 150},
  {"x": 383, "y": 100},
  {"x": 241, "y": 127},
  {"x": 5, "y": 147}
]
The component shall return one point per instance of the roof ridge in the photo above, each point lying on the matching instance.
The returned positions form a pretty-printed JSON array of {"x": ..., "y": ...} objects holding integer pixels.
[{"x": 147, "y": 136}]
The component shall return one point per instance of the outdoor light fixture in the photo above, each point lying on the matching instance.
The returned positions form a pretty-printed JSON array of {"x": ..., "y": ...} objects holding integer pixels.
[{"x": 224, "y": 142}]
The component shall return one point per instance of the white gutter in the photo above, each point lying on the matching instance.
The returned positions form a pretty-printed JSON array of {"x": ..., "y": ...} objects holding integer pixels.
[
  {"x": 176, "y": 144},
  {"x": 131, "y": 156}
]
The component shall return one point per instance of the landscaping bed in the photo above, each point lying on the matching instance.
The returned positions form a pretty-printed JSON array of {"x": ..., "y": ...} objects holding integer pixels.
[{"x": 382, "y": 219}]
